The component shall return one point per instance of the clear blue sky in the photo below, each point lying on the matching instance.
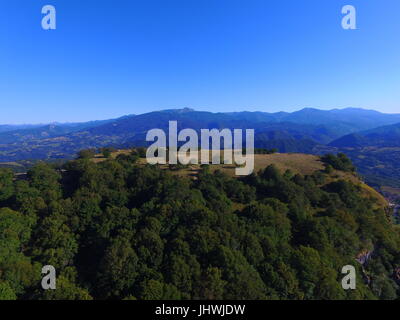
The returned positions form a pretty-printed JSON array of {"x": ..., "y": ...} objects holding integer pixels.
[{"x": 110, "y": 58}]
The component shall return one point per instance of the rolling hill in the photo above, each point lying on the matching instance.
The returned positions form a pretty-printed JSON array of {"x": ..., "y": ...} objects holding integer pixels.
[
  {"x": 296, "y": 163},
  {"x": 15, "y": 134},
  {"x": 301, "y": 131},
  {"x": 386, "y": 136},
  {"x": 371, "y": 139}
]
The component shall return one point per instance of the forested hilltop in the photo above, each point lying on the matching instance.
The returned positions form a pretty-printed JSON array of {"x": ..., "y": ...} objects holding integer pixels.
[
  {"x": 369, "y": 138},
  {"x": 118, "y": 229}
]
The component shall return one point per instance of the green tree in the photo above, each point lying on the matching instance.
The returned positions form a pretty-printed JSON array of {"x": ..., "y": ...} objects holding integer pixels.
[
  {"x": 6, "y": 292},
  {"x": 118, "y": 269},
  {"x": 47, "y": 180},
  {"x": 86, "y": 154},
  {"x": 65, "y": 290},
  {"x": 6, "y": 184},
  {"x": 107, "y": 152}
]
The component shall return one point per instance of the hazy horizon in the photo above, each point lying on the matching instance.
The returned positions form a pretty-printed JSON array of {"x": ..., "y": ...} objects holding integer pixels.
[{"x": 193, "y": 109}]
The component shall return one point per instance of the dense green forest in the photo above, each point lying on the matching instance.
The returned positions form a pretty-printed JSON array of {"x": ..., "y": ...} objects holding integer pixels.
[{"x": 120, "y": 230}]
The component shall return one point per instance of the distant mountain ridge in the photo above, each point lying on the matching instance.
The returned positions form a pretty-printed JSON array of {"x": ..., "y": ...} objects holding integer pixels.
[
  {"x": 386, "y": 136},
  {"x": 12, "y": 134},
  {"x": 338, "y": 122},
  {"x": 12, "y": 127},
  {"x": 300, "y": 131}
]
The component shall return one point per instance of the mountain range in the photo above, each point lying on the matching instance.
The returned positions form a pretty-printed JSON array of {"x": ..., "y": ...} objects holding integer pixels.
[
  {"x": 386, "y": 136},
  {"x": 370, "y": 138},
  {"x": 301, "y": 131}
]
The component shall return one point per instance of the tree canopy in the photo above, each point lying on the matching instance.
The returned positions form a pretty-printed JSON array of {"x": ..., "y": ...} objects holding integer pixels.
[{"x": 121, "y": 230}]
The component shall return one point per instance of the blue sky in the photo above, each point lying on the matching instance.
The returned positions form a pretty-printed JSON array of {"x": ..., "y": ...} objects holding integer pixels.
[{"x": 111, "y": 58}]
